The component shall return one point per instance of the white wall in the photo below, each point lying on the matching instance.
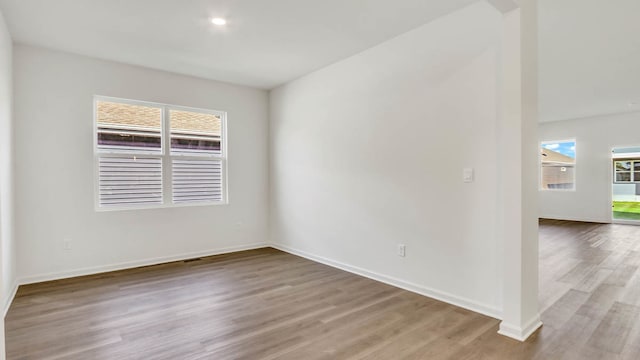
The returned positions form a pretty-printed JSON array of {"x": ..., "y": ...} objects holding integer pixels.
[
  {"x": 8, "y": 279},
  {"x": 55, "y": 177},
  {"x": 368, "y": 153},
  {"x": 595, "y": 137}
]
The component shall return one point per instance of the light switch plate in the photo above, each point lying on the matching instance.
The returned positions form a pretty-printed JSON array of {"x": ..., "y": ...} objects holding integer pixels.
[{"x": 467, "y": 175}]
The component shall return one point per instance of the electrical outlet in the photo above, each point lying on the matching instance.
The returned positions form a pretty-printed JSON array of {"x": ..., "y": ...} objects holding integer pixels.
[
  {"x": 402, "y": 250},
  {"x": 66, "y": 244}
]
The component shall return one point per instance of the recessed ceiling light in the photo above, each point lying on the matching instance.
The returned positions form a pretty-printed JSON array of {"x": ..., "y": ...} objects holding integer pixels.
[{"x": 218, "y": 21}]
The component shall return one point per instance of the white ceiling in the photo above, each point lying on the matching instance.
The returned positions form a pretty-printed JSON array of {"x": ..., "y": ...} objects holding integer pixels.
[
  {"x": 589, "y": 57},
  {"x": 266, "y": 42},
  {"x": 589, "y": 49}
]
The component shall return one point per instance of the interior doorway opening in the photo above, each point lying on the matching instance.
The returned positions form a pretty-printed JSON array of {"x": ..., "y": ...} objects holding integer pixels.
[{"x": 625, "y": 194}]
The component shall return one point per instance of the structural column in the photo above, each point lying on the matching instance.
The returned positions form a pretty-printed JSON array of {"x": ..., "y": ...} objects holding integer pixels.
[{"x": 518, "y": 162}]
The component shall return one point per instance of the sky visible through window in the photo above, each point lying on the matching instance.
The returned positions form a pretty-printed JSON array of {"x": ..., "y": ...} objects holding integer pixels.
[{"x": 567, "y": 148}]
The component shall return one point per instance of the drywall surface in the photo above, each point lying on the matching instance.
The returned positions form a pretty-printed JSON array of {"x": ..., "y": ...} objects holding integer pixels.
[
  {"x": 7, "y": 239},
  {"x": 369, "y": 153},
  {"x": 8, "y": 279},
  {"x": 55, "y": 169},
  {"x": 595, "y": 138}
]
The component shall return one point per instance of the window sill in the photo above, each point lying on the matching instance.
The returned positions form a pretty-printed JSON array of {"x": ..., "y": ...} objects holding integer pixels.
[
  {"x": 557, "y": 190},
  {"x": 162, "y": 206}
]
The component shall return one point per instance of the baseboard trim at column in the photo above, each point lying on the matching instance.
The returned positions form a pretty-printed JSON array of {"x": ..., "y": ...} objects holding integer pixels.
[{"x": 520, "y": 333}]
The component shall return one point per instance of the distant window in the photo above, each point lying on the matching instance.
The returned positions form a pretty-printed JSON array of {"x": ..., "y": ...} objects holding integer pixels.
[
  {"x": 133, "y": 150},
  {"x": 557, "y": 165},
  {"x": 626, "y": 171}
]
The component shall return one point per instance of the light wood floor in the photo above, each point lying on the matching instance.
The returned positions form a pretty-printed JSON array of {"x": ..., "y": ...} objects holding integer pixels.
[{"x": 266, "y": 304}]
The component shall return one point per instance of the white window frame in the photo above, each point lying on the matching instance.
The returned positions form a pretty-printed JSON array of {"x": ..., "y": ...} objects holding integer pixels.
[
  {"x": 631, "y": 172},
  {"x": 165, "y": 154},
  {"x": 575, "y": 164}
]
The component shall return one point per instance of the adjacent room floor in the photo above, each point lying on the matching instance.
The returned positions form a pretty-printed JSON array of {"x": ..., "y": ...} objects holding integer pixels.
[{"x": 266, "y": 304}]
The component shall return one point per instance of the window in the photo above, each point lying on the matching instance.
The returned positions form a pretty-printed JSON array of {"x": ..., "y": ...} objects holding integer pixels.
[
  {"x": 196, "y": 156},
  {"x": 557, "y": 165},
  {"x": 154, "y": 155},
  {"x": 626, "y": 171}
]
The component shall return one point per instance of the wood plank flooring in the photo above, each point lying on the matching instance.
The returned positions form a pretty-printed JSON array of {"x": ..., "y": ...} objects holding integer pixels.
[{"x": 266, "y": 304}]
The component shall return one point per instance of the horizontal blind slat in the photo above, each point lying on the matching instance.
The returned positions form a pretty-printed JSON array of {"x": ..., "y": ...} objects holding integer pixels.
[
  {"x": 198, "y": 169},
  {"x": 195, "y": 162},
  {"x": 127, "y": 167},
  {"x": 213, "y": 190},
  {"x": 197, "y": 200},
  {"x": 133, "y": 202},
  {"x": 134, "y": 160},
  {"x": 131, "y": 197}
]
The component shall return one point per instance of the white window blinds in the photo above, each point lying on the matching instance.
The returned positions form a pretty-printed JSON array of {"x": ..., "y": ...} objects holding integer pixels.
[
  {"x": 196, "y": 180},
  {"x": 126, "y": 181}
]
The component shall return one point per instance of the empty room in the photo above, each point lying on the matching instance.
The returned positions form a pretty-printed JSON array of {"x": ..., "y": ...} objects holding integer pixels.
[{"x": 366, "y": 179}]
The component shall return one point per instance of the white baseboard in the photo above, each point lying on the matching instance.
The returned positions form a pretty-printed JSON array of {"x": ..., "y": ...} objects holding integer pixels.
[
  {"x": 578, "y": 219},
  {"x": 418, "y": 289},
  {"x": 520, "y": 333},
  {"x": 14, "y": 291},
  {"x": 626, "y": 222},
  {"x": 133, "y": 264}
]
